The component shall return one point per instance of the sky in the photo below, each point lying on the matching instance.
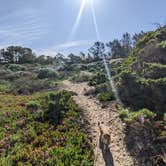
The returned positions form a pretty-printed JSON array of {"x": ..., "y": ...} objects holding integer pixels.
[{"x": 52, "y": 26}]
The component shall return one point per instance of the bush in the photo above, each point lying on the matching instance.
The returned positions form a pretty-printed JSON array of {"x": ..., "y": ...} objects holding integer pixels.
[
  {"x": 38, "y": 115},
  {"x": 102, "y": 88},
  {"x": 5, "y": 86},
  {"x": 123, "y": 114},
  {"x": 26, "y": 86},
  {"x": 16, "y": 67},
  {"x": 33, "y": 106},
  {"x": 58, "y": 105},
  {"x": 47, "y": 73},
  {"x": 128, "y": 116},
  {"x": 99, "y": 78},
  {"x": 4, "y": 73},
  {"x": 81, "y": 77},
  {"x": 108, "y": 96},
  {"x": 141, "y": 81}
]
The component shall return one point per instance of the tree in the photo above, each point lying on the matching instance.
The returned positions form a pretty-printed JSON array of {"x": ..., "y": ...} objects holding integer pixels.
[
  {"x": 41, "y": 59},
  {"x": 136, "y": 37},
  {"x": 89, "y": 58},
  {"x": 97, "y": 50},
  {"x": 8, "y": 57},
  {"x": 116, "y": 49},
  {"x": 26, "y": 56},
  {"x": 83, "y": 56},
  {"x": 126, "y": 43},
  {"x": 74, "y": 58},
  {"x": 49, "y": 60},
  {"x": 2, "y": 55},
  {"x": 60, "y": 58},
  {"x": 17, "y": 54}
]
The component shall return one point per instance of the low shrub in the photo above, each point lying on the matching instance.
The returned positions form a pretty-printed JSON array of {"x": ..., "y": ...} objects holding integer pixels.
[
  {"x": 124, "y": 114},
  {"x": 5, "y": 86},
  {"x": 16, "y": 67},
  {"x": 33, "y": 106},
  {"x": 58, "y": 105},
  {"x": 99, "y": 78},
  {"x": 102, "y": 88},
  {"x": 19, "y": 74},
  {"x": 28, "y": 138},
  {"x": 38, "y": 115},
  {"x": 26, "y": 86},
  {"x": 81, "y": 77},
  {"x": 46, "y": 73},
  {"x": 108, "y": 96},
  {"x": 4, "y": 73},
  {"x": 128, "y": 116}
]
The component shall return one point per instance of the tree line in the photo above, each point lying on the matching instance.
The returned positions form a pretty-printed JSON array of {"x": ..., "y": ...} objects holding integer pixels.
[{"x": 113, "y": 49}]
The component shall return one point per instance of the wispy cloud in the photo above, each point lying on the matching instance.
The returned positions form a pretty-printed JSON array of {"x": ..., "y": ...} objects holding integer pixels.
[
  {"x": 64, "y": 46},
  {"x": 21, "y": 27},
  {"x": 71, "y": 44}
]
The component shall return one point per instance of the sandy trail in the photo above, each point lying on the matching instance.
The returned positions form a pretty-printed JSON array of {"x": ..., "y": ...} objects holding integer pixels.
[{"x": 94, "y": 113}]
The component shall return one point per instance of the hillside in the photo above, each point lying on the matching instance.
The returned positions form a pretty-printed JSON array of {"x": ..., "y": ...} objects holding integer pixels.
[
  {"x": 50, "y": 106},
  {"x": 141, "y": 80}
]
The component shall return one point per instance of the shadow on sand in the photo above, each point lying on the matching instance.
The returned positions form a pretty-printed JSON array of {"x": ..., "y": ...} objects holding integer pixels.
[{"x": 107, "y": 155}]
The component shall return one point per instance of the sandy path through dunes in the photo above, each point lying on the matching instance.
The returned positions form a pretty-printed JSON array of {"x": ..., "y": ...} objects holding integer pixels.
[{"x": 94, "y": 113}]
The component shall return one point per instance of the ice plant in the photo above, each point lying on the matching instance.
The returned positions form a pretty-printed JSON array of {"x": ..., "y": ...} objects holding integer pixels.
[
  {"x": 141, "y": 119},
  {"x": 46, "y": 155}
]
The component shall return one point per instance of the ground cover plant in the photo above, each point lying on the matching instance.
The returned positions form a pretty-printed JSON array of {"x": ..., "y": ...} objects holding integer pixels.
[{"x": 42, "y": 129}]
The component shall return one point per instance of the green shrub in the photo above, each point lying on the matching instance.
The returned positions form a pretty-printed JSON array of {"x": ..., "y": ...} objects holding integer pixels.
[
  {"x": 58, "y": 105},
  {"x": 146, "y": 113},
  {"x": 16, "y": 67},
  {"x": 124, "y": 114},
  {"x": 4, "y": 73},
  {"x": 33, "y": 106},
  {"x": 141, "y": 81},
  {"x": 5, "y": 86},
  {"x": 108, "y": 96},
  {"x": 14, "y": 76},
  {"x": 26, "y": 86},
  {"x": 129, "y": 116},
  {"x": 162, "y": 44},
  {"x": 102, "y": 88},
  {"x": 99, "y": 78},
  {"x": 47, "y": 73},
  {"x": 81, "y": 77}
]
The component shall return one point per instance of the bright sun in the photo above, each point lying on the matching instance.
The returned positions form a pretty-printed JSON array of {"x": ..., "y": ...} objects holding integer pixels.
[{"x": 88, "y": 1}]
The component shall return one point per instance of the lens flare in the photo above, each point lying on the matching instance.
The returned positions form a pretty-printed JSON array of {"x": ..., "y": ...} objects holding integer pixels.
[
  {"x": 76, "y": 24},
  {"x": 113, "y": 86},
  {"x": 74, "y": 29},
  {"x": 95, "y": 21},
  {"x": 88, "y": 1}
]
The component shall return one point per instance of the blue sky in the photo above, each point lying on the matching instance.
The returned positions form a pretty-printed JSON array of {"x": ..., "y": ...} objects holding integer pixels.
[{"x": 46, "y": 25}]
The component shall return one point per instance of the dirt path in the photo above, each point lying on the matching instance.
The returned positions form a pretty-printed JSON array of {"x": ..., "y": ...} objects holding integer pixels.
[{"x": 94, "y": 113}]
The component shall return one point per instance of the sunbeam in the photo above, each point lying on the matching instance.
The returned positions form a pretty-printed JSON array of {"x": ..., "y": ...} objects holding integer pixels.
[
  {"x": 95, "y": 20},
  {"x": 74, "y": 29},
  {"x": 76, "y": 24},
  {"x": 104, "y": 59}
]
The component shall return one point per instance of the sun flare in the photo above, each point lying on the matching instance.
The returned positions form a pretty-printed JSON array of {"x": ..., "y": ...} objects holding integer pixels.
[{"x": 88, "y": 1}]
